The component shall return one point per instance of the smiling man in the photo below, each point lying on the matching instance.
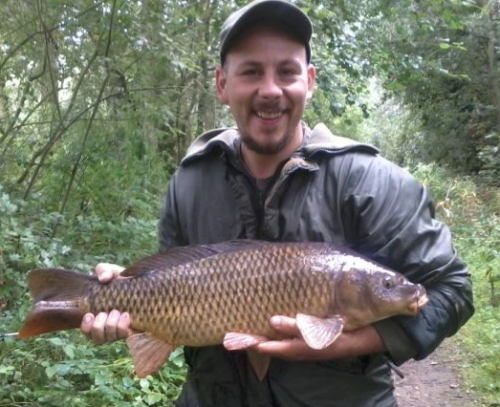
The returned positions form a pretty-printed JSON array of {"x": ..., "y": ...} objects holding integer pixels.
[{"x": 274, "y": 178}]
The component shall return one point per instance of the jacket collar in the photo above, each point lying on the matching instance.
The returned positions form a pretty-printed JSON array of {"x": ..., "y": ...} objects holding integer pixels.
[{"x": 320, "y": 139}]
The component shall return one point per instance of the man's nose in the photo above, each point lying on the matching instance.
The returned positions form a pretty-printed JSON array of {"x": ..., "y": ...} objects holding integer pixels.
[{"x": 270, "y": 87}]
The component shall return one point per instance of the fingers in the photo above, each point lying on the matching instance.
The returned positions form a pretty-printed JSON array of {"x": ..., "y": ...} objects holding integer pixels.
[
  {"x": 86, "y": 325},
  {"x": 285, "y": 325},
  {"x": 107, "y": 272},
  {"x": 283, "y": 348},
  {"x": 104, "y": 328},
  {"x": 123, "y": 330},
  {"x": 290, "y": 349}
]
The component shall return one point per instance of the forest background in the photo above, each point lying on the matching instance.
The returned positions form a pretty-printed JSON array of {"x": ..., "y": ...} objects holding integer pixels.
[{"x": 100, "y": 99}]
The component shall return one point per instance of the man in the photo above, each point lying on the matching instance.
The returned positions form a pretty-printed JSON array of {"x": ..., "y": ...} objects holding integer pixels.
[{"x": 273, "y": 178}]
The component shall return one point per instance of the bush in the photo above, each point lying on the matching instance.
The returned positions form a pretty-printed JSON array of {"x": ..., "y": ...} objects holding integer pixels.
[
  {"x": 64, "y": 369},
  {"x": 472, "y": 212}
]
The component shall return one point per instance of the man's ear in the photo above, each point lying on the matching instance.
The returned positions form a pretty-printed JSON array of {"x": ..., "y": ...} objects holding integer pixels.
[
  {"x": 311, "y": 80},
  {"x": 220, "y": 83}
]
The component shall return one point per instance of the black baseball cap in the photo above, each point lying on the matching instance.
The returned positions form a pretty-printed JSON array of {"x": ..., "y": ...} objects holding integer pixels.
[{"x": 281, "y": 12}]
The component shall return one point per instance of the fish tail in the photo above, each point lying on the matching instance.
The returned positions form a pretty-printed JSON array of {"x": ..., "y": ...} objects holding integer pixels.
[{"x": 57, "y": 296}]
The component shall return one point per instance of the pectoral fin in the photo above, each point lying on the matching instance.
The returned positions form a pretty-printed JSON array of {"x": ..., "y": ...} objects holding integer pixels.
[
  {"x": 238, "y": 341},
  {"x": 319, "y": 332},
  {"x": 148, "y": 353}
]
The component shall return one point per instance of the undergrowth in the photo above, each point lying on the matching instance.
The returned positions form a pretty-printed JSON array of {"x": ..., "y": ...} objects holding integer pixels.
[
  {"x": 64, "y": 368},
  {"x": 473, "y": 214}
]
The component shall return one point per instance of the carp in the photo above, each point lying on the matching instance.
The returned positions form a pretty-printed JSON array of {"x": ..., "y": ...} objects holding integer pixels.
[{"x": 226, "y": 293}]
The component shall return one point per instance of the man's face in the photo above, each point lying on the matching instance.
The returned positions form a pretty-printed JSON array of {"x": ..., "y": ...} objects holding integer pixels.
[{"x": 266, "y": 81}]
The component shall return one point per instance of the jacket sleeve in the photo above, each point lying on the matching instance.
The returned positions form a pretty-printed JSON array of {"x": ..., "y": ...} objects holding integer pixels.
[
  {"x": 169, "y": 230},
  {"x": 393, "y": 222}
]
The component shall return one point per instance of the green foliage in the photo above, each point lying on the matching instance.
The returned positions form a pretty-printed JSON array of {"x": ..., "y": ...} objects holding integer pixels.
[
  {"x": 342, "y": 72},
  {"x": 438, "y": 59},
  {"x": 393, "y": 129},
  {"x": 490, "y": 158},
  {"x": 81, "y": 375},
  {"x": 472, "y": 213},
  {"x": 480, "y": 336},
  {"x": 64, "y": 368}
]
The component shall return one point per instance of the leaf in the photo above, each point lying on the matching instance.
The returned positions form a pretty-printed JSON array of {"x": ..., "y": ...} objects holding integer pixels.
[
  {"x": 153, "y": 398},
  {"x": 51, "y": 371},
  {"x": 337, "y": 109},
  {"x": 6, "y": 369},
  {"x": 56, "y": 341},
  {"x": 69, "y": 350},
  {"x": 144, "y": 383},
  {"x": 350, "y": 100},
  {"x": 103, "y": 377}
]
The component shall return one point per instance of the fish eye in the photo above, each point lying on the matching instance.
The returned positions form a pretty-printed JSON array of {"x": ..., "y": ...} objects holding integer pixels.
[{"x": 388, "y": 282}]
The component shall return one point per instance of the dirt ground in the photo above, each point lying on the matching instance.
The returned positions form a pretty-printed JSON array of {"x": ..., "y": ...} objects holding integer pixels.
[{"x": 435, "y": 381}]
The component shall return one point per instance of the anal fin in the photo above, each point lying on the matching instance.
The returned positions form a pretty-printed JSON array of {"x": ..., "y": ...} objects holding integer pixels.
[
  {"x": 260, "y": 363},
  {"x": 238, "y": 341},
  {"x": 148, "y": 353}
]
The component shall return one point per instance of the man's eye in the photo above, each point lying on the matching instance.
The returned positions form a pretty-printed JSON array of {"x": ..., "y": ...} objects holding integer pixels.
[{"x": 251, "y": 72}]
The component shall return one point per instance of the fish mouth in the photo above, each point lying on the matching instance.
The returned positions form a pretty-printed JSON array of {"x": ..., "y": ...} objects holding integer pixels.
[{"x": 420, "y": 300}]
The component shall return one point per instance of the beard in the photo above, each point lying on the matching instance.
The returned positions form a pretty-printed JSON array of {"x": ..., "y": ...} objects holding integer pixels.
[{"x": 269, "y": 148}]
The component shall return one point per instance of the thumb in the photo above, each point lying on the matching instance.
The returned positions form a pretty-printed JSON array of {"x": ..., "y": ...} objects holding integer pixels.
[{"x": 107, "y": 272}]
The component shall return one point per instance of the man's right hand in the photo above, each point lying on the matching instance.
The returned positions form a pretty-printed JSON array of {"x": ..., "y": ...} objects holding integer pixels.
[{"x": 104, "y": 328}]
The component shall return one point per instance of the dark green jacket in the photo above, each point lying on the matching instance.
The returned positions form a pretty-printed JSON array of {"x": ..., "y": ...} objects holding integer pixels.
[{"x": 331, "y": 190}]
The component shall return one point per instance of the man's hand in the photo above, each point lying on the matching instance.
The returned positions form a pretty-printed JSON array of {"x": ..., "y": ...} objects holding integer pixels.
[
  {"x": 362, "y": 341},
  {"x": 104, "y": 328}
]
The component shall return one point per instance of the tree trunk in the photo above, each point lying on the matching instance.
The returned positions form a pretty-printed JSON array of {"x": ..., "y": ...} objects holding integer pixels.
[{"x": 490, "y": 9}]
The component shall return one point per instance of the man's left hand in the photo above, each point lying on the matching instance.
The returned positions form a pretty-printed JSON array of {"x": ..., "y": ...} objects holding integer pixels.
[{"x": 359, "y": 342}]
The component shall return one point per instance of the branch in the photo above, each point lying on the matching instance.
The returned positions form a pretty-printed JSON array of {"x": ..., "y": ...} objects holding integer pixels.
[
  {"x": 31, "y": 36},
  {"x": 23, "y": 123},
  {"x": 91, "y": 121},
  {"x": 47, "y": 37}
]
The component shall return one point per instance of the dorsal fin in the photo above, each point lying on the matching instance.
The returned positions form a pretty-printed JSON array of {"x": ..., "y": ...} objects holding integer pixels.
[{"x": 176, "y": 256}]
